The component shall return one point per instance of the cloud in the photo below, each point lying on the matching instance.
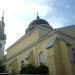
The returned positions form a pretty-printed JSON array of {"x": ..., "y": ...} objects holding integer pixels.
[
  {"x": 28, "y": 7},
  {"x": 19, "y": 13},
  {"x": 56, "y": 21}
]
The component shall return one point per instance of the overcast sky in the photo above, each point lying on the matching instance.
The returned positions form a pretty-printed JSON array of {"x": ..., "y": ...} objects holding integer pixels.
[{"x": 19, "y": 13}]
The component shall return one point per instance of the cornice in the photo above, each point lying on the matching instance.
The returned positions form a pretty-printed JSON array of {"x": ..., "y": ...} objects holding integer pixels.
[
  {"x": 61, "y": 33},
  {"x": 66, "y": 27}
]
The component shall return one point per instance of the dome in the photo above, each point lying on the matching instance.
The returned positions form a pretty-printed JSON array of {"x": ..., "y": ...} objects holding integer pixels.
[{"x": 38, "y": 22}]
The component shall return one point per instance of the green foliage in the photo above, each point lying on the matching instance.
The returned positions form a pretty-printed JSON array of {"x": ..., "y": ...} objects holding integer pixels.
[
  {"x": 42, "y": 69},
  {"x": 27, "y": 69},
  {"x": 30, "y": 69}
]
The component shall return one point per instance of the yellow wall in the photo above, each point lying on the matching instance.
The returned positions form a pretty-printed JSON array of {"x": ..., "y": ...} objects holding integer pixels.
[
  {"x": 65, "y": 59},
  {"x": 34, "y": 58},
  {"x": 26, "y": 41},
  {"x": 63, "y": 64},
  {"x": 56, "y": 57},
  {"x": 51, "y": 61},
  {"x": 12, "y": 65},
  {"x": 42, "y": 46}
]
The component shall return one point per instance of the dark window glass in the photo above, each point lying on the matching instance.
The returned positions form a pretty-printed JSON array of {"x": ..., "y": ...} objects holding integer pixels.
[
  {"x": 73, "y": 50},
  {"x": 0, "y": 45},
  {"x": 73, "y": 53}
]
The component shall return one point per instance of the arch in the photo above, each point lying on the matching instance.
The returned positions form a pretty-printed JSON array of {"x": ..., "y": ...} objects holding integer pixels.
[{"x": 41, "y": 57}]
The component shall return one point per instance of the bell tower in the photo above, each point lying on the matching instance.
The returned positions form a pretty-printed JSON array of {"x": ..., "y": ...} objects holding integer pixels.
[{"x": 2, "y": 37}]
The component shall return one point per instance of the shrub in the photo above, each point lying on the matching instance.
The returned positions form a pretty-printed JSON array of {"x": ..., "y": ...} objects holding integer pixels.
[
  {"x": 42, "y": 69},
  {"x": 30, "y": 69}
]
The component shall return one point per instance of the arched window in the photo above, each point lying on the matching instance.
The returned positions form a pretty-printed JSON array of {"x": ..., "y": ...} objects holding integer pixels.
[{"x": 41, "y": 57}]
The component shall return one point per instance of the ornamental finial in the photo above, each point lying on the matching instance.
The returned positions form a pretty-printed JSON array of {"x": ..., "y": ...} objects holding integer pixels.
[{"x": 37, "y": 16}]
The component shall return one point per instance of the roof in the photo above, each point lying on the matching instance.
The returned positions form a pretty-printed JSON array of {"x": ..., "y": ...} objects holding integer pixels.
[{"x": 38, "y": 22}]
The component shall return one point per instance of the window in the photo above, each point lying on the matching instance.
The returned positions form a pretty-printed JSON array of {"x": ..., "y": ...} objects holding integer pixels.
[
  {"x": 0, "y": 45},
  {"x": 73, "y": 54},
  {"x": 71, "y": 50},
  {"x": 50, "y": 43}
]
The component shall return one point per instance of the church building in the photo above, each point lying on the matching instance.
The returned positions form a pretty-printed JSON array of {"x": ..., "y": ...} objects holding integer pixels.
[
  {"x": 2, "y": 38},
  {"x": 41, "y": 43}
]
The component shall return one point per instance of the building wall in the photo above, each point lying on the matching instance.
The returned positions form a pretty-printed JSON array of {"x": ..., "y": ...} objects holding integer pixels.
[
  {"x": 63, "y": 64},
  {"x": 30, "y": 55},
  {"x": 23, "y": 43},
  {"x": 28, "y": 49},
  {"x": 51, "y": 61}
]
